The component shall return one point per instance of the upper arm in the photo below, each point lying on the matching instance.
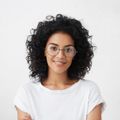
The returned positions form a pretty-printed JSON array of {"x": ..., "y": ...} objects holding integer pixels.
[
  {"x": 22, "y": 115},
  {"x": 95, "y": 114}
]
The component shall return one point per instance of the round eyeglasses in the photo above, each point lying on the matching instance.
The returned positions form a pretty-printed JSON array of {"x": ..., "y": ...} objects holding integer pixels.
[{"x": 53, "y": 50}]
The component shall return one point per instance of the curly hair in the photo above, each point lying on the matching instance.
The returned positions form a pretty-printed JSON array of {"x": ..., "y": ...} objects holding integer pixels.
[{"x": 38, "y": 38}]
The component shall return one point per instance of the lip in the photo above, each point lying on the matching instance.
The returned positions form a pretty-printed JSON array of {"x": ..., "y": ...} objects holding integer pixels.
[
  {"x": 60, "y": 61},
  {"x": 59, "y": 64}
]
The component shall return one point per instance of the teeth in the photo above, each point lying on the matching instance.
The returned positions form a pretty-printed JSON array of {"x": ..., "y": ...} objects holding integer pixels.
[{"x": 60, "y": 62}]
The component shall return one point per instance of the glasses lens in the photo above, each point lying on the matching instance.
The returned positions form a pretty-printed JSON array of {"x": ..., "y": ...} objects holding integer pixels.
[
  {"x": 52, "y": 49},
  {"x": 70, "y": 51}
]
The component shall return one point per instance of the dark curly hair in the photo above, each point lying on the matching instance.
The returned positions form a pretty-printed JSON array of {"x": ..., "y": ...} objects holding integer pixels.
[{"x": 38, "y": 38}]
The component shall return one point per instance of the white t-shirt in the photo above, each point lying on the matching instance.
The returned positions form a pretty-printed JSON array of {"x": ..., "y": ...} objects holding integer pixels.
[{"x": 72, "y": 103}]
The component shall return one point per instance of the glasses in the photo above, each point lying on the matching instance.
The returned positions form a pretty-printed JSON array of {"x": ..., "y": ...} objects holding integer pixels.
[{"x": 53, "y": 50}]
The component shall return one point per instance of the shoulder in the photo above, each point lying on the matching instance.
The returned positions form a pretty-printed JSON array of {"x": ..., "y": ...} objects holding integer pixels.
[
  {"x": 93, "y": 93},
  {"x": 28, "y": 86},
  {"x": 89, "y": 87},
  {"x": 88, "y": 84}
]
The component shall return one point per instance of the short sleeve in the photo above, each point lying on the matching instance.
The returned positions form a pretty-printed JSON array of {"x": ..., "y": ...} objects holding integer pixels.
[
  {"x": 21, "y": 100},
  {"x": 95, "y": 98}
]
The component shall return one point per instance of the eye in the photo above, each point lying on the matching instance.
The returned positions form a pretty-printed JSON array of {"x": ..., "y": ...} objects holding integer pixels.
[
  {"x": 53, "y": 48},
  {"x": 69, "y": 49}
]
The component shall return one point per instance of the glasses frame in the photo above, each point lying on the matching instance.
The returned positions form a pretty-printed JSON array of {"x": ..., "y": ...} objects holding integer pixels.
[{"x": 58, "y": 50}]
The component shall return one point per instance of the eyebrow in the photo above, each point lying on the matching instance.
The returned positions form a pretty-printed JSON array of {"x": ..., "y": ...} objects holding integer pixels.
[{"x": 58, "y": 45}]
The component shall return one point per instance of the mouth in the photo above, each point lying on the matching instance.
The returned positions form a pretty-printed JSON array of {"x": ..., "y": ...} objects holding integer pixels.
[{"x": 60, "y": 62}]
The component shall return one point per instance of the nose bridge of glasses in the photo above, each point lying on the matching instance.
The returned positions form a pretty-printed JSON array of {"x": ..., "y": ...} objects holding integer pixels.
[{"x": 61, "y": 51}]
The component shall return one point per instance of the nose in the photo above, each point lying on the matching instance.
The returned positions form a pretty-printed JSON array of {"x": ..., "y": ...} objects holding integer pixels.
[{"x": 61, "y": 53}]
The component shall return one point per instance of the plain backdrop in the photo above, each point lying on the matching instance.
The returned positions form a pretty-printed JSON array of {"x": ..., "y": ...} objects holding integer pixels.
[{"x": 100, "y": 17}]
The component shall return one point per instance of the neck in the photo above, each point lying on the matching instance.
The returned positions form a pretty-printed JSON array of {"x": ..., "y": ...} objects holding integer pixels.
[{"x": 57, "y": 78}]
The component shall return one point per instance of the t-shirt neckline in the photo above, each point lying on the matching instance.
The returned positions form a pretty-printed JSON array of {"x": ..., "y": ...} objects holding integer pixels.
[{"x": 60, "y": 91}]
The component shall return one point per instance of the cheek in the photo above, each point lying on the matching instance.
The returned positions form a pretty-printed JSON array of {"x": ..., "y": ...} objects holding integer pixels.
[
  {"x": 70, "y": 62},
  {"x": 49, "y": 60}
]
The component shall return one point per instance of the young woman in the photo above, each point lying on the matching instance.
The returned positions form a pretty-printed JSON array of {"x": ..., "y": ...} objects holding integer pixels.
[{"x": 59, "y": 56}]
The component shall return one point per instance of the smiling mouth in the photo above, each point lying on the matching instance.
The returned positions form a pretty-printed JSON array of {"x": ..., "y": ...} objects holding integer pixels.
[{"x": 60, "y": 62}]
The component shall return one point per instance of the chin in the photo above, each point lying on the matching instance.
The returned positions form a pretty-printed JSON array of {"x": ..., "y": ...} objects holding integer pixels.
[{"x": 59, "y": 70}]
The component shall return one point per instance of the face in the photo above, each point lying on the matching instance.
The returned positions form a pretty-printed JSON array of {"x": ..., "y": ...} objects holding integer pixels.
[{"x": 59, "y": 52}]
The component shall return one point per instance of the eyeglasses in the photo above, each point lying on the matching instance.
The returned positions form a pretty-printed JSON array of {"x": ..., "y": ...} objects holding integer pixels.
[{"x": 53, "y": 50}]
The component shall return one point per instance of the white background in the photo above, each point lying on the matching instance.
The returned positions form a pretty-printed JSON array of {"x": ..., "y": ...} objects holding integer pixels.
[{"x": 100, "y": 17}]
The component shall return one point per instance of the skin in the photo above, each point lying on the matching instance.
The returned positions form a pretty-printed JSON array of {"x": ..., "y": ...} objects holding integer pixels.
[
  {"x": 57, "y": 73},
  {"x": 22, "y": 115},
  {"x": 95, "y": 114}
]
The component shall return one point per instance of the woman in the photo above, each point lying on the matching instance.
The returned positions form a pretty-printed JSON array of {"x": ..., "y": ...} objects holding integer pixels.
[{"x": 59, "y": 56}]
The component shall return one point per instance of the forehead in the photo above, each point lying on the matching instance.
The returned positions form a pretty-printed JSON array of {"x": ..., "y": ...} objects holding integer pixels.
[{"x": 61, "y": 39}]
